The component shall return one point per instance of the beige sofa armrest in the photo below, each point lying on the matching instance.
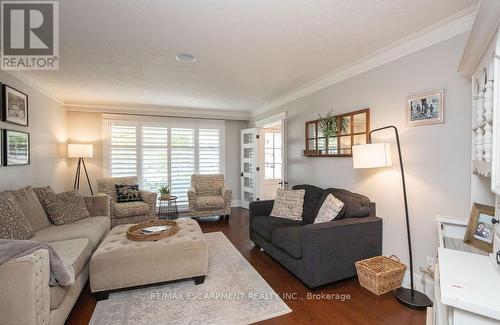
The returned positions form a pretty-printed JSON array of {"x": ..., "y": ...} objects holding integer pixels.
[
  {"x": 98, "y": 205},
  {"x": 227, "y": 195},
  {"x": 192, "y": 199},
  {"x": 25, "y": 292},
  {"x": 150, "y": 199}
]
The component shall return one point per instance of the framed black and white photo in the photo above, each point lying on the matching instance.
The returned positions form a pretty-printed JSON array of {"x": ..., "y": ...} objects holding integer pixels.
[
  {"x": 16, "y": 148},
  {"x": 426, "y": 108},
  {"x": 14, "y": 106},
  {"x": 1, "y": 147}
]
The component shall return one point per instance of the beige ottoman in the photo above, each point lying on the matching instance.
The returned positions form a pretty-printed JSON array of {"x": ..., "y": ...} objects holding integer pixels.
[{"x": 121, "y": 263}]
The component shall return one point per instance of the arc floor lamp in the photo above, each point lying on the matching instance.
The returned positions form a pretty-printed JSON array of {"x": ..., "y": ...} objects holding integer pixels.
[
  {"x": 81, "y": 151},
  {"x": 374, "y": 155}
]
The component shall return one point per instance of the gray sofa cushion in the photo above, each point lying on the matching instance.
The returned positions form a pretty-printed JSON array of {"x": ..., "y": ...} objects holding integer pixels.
[
  {"x": 93, "y": 228},
  {"x": 74, "y": 252},
  {"x": 265, "y": 225},
  {"x": 311, "y": 202},
  {"x": 288, "y": 239},
  {"x": 355, "y": 205}
]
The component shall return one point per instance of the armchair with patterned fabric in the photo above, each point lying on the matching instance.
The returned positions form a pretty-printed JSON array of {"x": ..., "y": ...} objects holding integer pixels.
[
  {"x": 208, "y": 196},
  {"x": 128, "y": 212}
]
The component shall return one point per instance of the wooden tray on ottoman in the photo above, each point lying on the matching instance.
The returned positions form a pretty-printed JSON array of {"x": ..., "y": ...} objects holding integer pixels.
[{"x": 135, "y": 233}]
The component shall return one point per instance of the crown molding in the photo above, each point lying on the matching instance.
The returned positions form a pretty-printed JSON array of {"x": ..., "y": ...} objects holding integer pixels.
[
  {"x": 33, "y": 83},
  {"x": 485, "y": 27},
  {"x": 148, "y": 110},
  {"x": 436, "y": 33},
  {"x": 158, "y": 110}
]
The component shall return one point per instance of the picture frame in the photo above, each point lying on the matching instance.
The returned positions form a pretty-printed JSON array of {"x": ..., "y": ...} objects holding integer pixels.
[
  {"x": 16, "y": 148},
  {"x": 1, "y": 147},
  {"x": 425, "y": 108},
  {"x": 15, "y": 109},
  {"x": 480, "y": 230}
]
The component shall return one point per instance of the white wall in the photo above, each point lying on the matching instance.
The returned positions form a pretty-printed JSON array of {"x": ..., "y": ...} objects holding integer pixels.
[
  {"x": 86, "y": 127},
  {"x": 47, "y": 128},
  {"x": 436, "y": 157}
]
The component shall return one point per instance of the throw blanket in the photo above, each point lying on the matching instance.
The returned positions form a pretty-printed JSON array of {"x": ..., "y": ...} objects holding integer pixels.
[{"x": 60, "y": 274}]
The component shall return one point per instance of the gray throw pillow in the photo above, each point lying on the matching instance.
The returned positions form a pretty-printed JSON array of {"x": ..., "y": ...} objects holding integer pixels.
[
  {"x": 42, "y": 193},
  {"x": 13, "y": 224},
  {"x": 31, "y": 208},
  {"x": 66, "y": 207}
]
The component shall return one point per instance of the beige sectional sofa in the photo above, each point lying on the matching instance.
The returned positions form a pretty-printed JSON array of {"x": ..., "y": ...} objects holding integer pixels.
[{"x": 25, "y": 295}]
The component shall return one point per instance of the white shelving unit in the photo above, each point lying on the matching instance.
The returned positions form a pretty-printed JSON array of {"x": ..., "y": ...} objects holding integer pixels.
[{"x": 466, "y": 281}]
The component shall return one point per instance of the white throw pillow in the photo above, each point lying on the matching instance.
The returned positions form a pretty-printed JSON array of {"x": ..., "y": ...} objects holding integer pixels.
[
  {"x": 329, "y": 209},
  {"x": 288, "y": 204}
]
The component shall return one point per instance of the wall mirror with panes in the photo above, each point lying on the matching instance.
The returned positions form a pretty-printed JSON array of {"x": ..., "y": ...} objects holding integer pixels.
[{"x": 356, "y": 132}]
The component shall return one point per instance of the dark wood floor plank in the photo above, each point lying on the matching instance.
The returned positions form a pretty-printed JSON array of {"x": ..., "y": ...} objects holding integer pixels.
[{"x": 363, "y": 307}]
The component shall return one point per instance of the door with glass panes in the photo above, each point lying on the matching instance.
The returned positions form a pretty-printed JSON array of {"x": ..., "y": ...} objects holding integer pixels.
[{"x": 249, "y": 166}]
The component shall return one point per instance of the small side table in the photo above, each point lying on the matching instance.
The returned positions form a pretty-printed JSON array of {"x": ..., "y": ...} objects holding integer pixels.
[{"x": 168, "y": 208}]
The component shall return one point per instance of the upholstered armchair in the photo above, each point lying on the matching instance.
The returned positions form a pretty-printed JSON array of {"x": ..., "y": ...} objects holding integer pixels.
[
  {"x": 208, "y": 196},
  {"x": 127, "y": 212}
]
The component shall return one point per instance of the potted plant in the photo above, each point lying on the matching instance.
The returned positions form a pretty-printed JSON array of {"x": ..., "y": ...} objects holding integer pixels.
[
  {"x": 164, "y": 192},
  {"x": 331, "y": 126}
]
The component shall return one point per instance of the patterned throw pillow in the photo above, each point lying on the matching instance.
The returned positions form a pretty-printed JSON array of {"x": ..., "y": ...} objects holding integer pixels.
[
  {"x": 42, "y": 193},
  {"x": 13, "y": 224},
  {"x": 66, "y": 207},
  {"x": 330, "y": 208},
  {"x": 127, "y": 193},
  {"x": 288, "y": 204}
]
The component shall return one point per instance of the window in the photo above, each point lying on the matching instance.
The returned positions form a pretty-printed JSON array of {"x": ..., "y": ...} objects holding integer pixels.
[
  {"x": 356, "y": 132},
  {"x": 167, "y": 152},
  {"x": 272, "y": 155}
]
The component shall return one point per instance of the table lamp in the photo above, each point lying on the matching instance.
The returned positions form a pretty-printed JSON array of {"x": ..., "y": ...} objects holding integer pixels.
[
  {"x": 81, "y": 151},
  {"x": 375, "y": 155}
]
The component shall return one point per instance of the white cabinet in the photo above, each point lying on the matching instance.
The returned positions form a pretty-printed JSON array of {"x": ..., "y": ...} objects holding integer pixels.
[{"x": 467, "y": 282}]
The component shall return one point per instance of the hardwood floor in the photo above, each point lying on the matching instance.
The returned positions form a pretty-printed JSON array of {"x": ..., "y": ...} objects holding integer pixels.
[{"x": 363, "y": 307}]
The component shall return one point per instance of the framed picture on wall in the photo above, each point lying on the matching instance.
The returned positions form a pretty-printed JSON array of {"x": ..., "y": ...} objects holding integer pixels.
[
  {"x": 16, "y": 148},
  {"x": 480, "y": 229},
  {"x": 1, "y": 147},
  {"x": 14, "y": 106},
  {"x": 426, "y": 108}
]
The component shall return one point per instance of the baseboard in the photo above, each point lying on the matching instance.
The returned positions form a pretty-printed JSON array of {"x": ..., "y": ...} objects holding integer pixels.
[
  {"x": 235, "y": 203},
  {"x": 426, "y": 286}
]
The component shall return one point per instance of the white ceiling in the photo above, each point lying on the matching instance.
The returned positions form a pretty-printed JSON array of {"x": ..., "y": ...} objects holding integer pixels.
[{"x": 118, "y": 52}]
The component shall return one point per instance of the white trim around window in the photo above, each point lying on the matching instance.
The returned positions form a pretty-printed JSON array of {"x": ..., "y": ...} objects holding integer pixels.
[{"x": 143, "y": 146}]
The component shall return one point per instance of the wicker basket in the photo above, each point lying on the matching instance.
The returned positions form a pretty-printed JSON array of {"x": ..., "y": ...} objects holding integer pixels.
[{"x": 380, "y": 274}]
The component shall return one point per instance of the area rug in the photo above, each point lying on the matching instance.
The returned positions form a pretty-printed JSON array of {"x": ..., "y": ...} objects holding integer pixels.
[{"x": 233, "y": 293}]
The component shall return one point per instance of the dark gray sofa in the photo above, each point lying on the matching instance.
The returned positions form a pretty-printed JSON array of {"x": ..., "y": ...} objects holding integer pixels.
[{"x": 322, "y": 253}]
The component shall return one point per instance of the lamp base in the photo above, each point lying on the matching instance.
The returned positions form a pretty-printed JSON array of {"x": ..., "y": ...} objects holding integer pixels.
[{"x": 417, "y": 301}]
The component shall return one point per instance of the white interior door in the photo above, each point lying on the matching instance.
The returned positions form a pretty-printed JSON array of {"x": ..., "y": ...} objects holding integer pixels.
[
  {"x": 271, "y": 177},
  {"x": 249, "y": 166}
]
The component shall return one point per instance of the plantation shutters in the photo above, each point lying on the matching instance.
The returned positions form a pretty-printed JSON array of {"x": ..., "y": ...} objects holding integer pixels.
[
  {"x": 164, "y": 152},
  {"x": 183, "y": 162},
  {"x": 123, "y": 160},
  {"x": 209, "y": 149}
]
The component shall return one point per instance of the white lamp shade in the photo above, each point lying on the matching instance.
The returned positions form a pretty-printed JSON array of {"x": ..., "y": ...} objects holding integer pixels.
[
  {"x": 372, "y": 155},
  {"x": 80, "y": 151}
]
